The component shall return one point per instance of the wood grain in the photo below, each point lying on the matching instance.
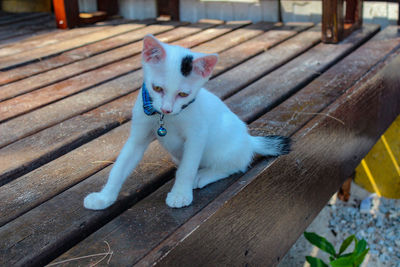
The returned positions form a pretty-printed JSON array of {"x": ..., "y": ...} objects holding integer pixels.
[
  {"x": 24, "y": 103},
  {"x": 254, "y": 68},
  {"x": 268, "y": 92},
  {"x": 79, "y": 67},
  {"x": 15, "y": 60},
  {"x": 309, "y": 102}
]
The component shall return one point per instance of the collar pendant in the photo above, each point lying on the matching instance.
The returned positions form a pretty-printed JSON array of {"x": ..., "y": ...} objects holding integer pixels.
[
  {"x": 149, "y": 110},
  {"x": 161, "y": 131}
]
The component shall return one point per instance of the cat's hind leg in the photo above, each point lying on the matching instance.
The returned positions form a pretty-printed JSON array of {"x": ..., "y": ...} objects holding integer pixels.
[{"x": 208, "y": 176}]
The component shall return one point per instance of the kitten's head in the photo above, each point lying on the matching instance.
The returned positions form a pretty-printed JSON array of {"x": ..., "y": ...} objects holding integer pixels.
[{"x": 173, "y": 75}]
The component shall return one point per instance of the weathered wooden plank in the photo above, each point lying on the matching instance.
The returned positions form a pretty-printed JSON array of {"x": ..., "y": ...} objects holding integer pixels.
[
  {"x": 269, "y": 91},
  {"x": 33, "y": 35},
  {"x": 310, "y": 100},
  {"x": 43, "y": 52},
  {"x": 264, "y": 63},
  {"x": 26, "y": 29},
  {"x": 47, "y": 39},
  {"x": 79, "y": 53},
  {"x": 14, "y": 244},
  {"x": 33, "y": 151},
  {"x": 40, "y": 119},
  {"x": 28, "y": 153},
  {"x": 259, "y": 44},
  {"x": 24, "y": 103},
  {"x": 52, "y": 76},
  {"x": 82, "y": 229},
  {"x": 49, "y": 77}
]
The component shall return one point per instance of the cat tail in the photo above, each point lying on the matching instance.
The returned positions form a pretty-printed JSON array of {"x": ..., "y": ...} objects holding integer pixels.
[{"x": 271, "y": 145}]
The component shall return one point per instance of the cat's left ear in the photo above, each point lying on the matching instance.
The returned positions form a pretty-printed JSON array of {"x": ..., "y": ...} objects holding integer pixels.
[
  {"x": 204, "y": 65},
  {"x": 153, "y": 51}
]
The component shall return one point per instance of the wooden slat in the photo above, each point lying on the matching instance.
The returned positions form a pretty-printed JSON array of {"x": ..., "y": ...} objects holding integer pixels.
[
  {"x": 43, "y": 52},
  {"x": 46, "y": 39},
  {"x": 24, "y": 103},
  {"x": 52, "y": 76},
  {"x": 308, "y": 102},
  {"x": 264, "y": 205},
  {"x": 33, "y": 151},
  {"x": 76, "y": 54},
  {"x": 259, "y": 44},
  {"x": 26, "y": 29},
  {"x": 264, "y": 63},
  {"x": 33, "y": 35},
  {"x": 125, "y": 197},
  {"x": 268, "y": 92}
]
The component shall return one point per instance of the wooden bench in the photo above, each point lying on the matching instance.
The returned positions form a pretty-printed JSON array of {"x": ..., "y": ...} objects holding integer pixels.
[{"x": 64, "y": 116}]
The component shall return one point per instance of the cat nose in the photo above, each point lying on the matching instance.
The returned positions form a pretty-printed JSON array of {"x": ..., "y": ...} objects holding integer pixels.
[{"x": 166, "y": 111}]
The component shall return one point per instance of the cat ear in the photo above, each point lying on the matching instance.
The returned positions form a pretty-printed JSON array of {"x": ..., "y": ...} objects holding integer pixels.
[
  {"x": 204, "y": 65},
  {"x": 152, "y": 50}
]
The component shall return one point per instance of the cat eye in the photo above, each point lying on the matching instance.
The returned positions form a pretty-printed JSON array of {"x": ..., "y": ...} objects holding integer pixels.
[
  {"x": 182, "y": 94},
  {"x": 158, "y": 89}
]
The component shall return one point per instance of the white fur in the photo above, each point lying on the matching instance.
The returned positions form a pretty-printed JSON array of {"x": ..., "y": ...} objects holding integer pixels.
[{"x": 206, "y": 140}]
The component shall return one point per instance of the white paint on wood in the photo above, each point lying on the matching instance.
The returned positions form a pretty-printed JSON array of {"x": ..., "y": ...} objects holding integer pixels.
[
  {"x": 87, "y": 5},
  {"x": 382, "y": 13},
  {"x": 137, "y": 9},
  {"x": 301, "y": 11},
  {"x": 193, "y": 10}
]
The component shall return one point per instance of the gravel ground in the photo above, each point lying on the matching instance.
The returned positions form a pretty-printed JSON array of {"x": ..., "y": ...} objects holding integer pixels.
[{"x": 375, "y": 219}]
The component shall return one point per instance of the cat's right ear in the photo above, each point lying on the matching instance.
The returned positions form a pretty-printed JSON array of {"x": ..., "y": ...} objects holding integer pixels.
[{"x": 152, "y": 52}]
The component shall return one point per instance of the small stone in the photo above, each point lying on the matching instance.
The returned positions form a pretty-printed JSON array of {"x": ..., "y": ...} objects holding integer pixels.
[
  {"x": 383, "y": 209},
  {"x": 365, "y": 205},
  {"x": 374, "y": 252},
  {"x": 370, "y": 230}
]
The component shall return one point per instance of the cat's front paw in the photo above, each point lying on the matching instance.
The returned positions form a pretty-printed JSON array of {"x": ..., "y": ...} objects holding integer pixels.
[
  {"x": 97, "y": 201},
  {"x": 177, "y": 199}
]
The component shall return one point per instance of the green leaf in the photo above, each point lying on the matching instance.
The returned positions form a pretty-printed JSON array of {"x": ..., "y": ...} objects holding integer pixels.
[
  {"x": 320, "y": 242},
  {"x": 316, "y": 262},
  {"x": 346, "y": 243},
  {"x": 360, "y": 258},
  {"x": 360, "y": 246},
  {"x": 343, "y": 261}
]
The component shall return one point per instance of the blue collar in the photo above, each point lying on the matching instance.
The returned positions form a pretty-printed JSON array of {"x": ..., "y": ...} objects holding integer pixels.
[{"x": 148, "y": 102}]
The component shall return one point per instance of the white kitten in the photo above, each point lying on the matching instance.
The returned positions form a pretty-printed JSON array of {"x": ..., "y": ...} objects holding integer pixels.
[{"x": 205, "y": 139}]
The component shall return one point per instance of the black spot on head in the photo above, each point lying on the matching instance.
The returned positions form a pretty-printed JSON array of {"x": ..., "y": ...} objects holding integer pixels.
[{"x": 187, "y": 65}]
